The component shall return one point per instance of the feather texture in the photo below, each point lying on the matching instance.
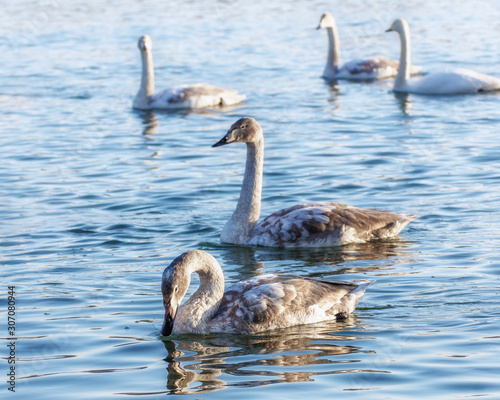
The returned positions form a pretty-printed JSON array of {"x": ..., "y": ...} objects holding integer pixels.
[{"x": 327, "y": 224}]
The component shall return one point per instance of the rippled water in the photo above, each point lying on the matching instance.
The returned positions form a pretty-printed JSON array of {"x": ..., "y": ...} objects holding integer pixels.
[{"x": 96, "y": 199}]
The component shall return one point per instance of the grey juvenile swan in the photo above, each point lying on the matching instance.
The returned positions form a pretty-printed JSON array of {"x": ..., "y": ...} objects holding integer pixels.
[
  {"x": 199, "y": 95},
  {"x": 304, "y": 225},
  {"x": 258, "y": 304},
  {"x": 446, "y": 81},
  {"x": 361, "y": 69}
]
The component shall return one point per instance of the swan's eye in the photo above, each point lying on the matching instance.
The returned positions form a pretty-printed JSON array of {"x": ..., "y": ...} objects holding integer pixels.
[
  {"x": 176, "y": 289},
  {"x": 243, "y": 126}
]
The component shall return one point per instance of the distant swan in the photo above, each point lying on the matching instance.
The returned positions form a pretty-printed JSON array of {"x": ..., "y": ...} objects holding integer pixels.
[
  {"x": 258, "y": 304},
  {"x": 199, "y": 95},
  {"x": 363, "y": 69},
  {"x": 448, "y": 81},
  {"x": 305, "y": 225}
]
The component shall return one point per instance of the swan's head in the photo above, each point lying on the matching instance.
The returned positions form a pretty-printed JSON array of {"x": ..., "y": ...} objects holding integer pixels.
[
  {"x": 326, "y": 21},
  {"x": 400, "y": 25},
  {"x": 246, "y": 130},
  {"x": 145, "y": 43},
  {"x": 174, "y": 284}
]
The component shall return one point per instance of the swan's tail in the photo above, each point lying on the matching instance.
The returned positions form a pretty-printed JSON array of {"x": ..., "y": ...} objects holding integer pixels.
[
  {"x": 403, "y": 221},
  {"x": 395, "y": 227},
  {"x": 355, "y": 295},
  {"x": 232, "y": 99}
]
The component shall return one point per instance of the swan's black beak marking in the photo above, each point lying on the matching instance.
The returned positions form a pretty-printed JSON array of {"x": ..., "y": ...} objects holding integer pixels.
[
  {"x": 168, "y": 321},
  {"x": 221, "y": 142},
  {"x": 229, "y": 137}
]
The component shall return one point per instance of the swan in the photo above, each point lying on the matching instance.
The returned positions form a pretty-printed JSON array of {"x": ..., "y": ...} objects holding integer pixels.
[
  {"x": 363, "y": 69},
  {"x": 448, "y": 81},
  {"x": 198, "y": 95},
  {"x": 307, "y": 225},
  {"x": 257, "y": 304}
]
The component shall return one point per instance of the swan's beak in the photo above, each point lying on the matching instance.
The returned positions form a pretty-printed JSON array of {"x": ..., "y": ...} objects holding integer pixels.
[
  {"x": 318, "y": 27},
  {"x": 389, "y": 30},
  {"x": 230, "y": 137},
  {"x": 168, "y": 321}
]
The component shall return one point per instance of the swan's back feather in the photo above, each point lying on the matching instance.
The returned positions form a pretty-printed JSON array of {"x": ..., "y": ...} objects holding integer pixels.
[
  {"x": 327, "y": 224},
  {"x": 198, "y": 95},
  {"x": 277, "y": 301},
  {"x": 453, "y": 81}
]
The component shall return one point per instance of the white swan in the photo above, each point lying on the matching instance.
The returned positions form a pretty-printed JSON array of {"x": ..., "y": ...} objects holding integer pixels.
[
  {"x": 307, "y": 225},
  {"x": 258, "y": 304},
  {"x": 363, "y": 69},
  {"x": 199, "y": 95},
  {"x": 448, "y": 81}
]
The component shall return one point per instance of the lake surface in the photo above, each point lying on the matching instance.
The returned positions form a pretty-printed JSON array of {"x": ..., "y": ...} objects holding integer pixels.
[{"x": 97, "y": 199}]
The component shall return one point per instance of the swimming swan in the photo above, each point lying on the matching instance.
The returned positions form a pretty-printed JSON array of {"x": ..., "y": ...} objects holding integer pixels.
[
  {"x": 448, "y": 81},
  {"x": 305, "y": 225},
  {"x": 258, "y": 304},
  {"x": 199, "y": 95},
  {"x": 364, "y": 69}
]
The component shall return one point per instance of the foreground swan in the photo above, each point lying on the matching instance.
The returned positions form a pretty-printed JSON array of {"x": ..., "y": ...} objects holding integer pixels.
[
  {"x": 308, "y": 225},
  {"x": 368, "y": 68},
  {"x": 449, "y": 81},
  {"x": 258, "y": 304},
  {"x": 199, "y": 95}
]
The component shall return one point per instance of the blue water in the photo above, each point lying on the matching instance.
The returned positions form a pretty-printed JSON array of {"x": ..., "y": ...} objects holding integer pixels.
[{"x": 97, "y": 199}]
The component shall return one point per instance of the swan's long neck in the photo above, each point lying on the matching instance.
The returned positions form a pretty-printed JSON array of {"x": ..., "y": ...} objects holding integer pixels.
[
  {"x": 332, "y": 62},
  {"x": 197, "y": 311},
  {"x": 239, "y": 228},
  {"x": 404, "y": 59},
  {"x": 147, "y": 88}
]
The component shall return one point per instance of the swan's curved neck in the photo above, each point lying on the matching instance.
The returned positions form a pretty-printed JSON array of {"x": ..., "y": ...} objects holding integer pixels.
[
  {"x": 332, "y": 62},
  {"x": 240, "y": 227},
  {"x": 404, "y": 59},
  {"x": 147, "y": 88},
  {"x": 204, "y": 303}
]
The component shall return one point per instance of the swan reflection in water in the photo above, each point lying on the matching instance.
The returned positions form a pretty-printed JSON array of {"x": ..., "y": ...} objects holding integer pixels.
[
  {"x": 150, "y": 123},
  {"x": 379, "y": 256},
  {"x": 198, "y": 364}
]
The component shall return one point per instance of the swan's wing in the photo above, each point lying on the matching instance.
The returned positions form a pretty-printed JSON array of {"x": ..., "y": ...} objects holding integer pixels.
[
  {"x": 199, "y": 95},
  {"x": 327, "y": 224},
  {"x": 373, "y": 68},
  {"x": 278, "y": 301}
]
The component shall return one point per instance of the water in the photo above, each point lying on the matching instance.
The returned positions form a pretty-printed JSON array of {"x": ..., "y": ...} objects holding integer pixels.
[{"x": 97, "y": 199}]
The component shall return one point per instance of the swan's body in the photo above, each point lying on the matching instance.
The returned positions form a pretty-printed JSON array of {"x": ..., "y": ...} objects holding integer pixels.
[
  {"x": 305, "y": 225},
  {"x": 258, "y": 304},
  {"x": 448, "y": 81},
  {"x": 199, "y": 95},
  {"x": 363, "y": 69}
]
